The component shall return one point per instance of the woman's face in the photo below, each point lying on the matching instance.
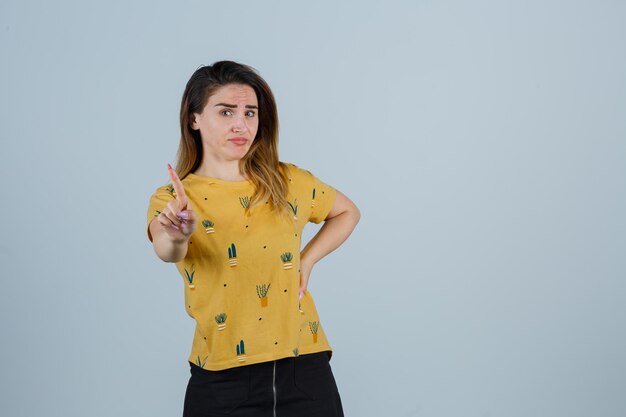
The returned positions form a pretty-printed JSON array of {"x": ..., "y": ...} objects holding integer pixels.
[{"x": 229, "y": 122}]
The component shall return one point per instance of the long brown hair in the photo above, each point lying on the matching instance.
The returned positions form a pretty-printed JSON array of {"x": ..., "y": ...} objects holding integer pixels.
[{"x": 260, "y": 164}]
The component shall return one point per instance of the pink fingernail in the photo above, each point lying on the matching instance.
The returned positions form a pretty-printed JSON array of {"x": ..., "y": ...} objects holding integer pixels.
[
  {"x": 183, "y": 214},
  {"x": 175, "y": 227},
  {"x": 301, "y": 294}
]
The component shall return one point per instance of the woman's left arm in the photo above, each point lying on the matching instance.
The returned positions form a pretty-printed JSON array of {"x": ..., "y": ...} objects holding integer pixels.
[{"x": 338, "y": 225}]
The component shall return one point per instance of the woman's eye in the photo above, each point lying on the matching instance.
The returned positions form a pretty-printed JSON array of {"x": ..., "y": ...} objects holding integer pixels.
[
  {"x": 250, "y": 113},
  {"x": 226, "y": 112}
]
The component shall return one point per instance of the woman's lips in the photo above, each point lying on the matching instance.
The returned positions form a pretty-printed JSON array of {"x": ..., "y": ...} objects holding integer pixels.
[{"x": 238, "y": 141}]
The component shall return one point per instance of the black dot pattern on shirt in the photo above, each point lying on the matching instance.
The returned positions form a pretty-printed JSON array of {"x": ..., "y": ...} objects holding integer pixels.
[
  {"x": 246, "y": 225},
  {"x": 275, "y": 343},
  {"x": 264, "y": 247},
  {"x": 285, "y": 289},
  {"x": 205, "y": 198},
  {"x": 224, "y": 284},
  {"x": 260, "y": 318}
]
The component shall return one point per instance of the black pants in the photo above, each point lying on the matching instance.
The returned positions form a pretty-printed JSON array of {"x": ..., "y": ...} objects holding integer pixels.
[{"x": 303, "y": 386}]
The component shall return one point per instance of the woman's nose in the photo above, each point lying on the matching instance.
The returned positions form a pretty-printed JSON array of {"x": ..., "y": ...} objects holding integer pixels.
[{"x": 239, "y": 124}]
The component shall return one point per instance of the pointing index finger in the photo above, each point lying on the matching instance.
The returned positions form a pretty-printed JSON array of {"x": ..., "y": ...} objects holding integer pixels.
[{"x": 178, "y": 186}]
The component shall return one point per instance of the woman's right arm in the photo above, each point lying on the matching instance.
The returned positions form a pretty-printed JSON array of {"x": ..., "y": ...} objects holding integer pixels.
[
  {"x": 171, "y": 229},
  {"x": 167, "y": 248}
]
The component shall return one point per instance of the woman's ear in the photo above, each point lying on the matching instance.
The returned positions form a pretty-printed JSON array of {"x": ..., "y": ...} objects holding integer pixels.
[{"x": 194, "y": 124}]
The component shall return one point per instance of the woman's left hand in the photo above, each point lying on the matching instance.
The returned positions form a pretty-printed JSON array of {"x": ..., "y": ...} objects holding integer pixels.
[{"x": 305, "y": 272}]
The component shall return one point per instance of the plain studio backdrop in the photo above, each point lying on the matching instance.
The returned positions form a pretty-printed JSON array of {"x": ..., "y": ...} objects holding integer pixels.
[{"x": 483, "y": 141}]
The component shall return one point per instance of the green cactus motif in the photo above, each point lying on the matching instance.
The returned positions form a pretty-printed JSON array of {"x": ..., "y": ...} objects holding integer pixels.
[
  {"x": 261, "y": 291},
  {"x": 157, "y": 212},
  {"x": 208, "y": 226},
  {"x": 245, "y": 203},
  {"x": 313, "y": 199},
  {"x": 314, "y": 326},
  {"x": 220, "y": 319},
  {"x": 170, "y": 190},
  {"x": 294, "y": 208},
  {"x": 232, "y": 255},
  {"x": 189, "y": 275},
  {"x": 296, "y": 352},
  {"x": 287, "y": 257},
  {"x": 241, "y": 351},
  {"x": 201, "y": 363}
]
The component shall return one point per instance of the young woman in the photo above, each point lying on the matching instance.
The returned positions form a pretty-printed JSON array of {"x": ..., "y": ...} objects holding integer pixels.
[{"x": 232, "y": 221}]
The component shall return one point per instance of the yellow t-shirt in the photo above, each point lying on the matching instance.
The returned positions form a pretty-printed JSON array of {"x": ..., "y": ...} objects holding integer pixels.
[{"x": 241, "y": 272}]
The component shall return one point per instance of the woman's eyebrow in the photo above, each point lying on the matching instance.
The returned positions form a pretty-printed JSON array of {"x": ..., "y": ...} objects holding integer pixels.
[{"x": 234, "y": 106}]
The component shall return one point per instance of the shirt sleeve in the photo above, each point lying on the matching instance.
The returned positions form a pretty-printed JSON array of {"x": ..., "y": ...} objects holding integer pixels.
[
  {"x": 322, "y": 197},
  {"x": 322, "y": 200},
  {"x": 158, "y": 201}
]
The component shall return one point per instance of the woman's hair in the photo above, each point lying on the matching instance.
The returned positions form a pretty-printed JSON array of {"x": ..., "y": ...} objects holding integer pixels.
[{"x": 260, "y": 164}]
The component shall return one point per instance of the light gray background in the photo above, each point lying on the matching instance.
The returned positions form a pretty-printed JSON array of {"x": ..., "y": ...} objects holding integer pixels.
[{"x": 484, "y": 142}]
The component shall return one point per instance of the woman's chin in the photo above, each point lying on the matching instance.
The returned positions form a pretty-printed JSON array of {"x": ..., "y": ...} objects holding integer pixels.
[
  {"x": 236, "y": 156},
  {"x": 240, "y": 154}
]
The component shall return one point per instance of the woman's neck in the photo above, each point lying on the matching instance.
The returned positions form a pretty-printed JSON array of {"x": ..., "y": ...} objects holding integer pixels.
[{"x": 225, "y": 172}]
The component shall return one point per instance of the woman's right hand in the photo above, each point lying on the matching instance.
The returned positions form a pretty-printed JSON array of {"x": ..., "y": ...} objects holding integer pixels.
[{"x": 177, "y": 218}]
